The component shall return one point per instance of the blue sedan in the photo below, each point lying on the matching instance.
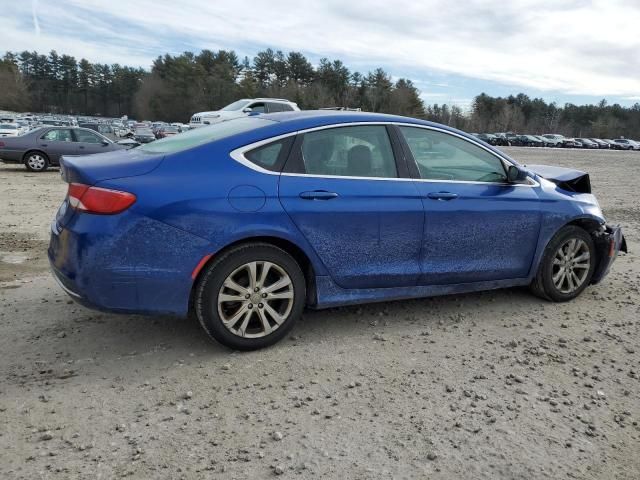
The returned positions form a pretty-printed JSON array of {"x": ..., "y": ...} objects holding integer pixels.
[{"x": 247, "y": 222}]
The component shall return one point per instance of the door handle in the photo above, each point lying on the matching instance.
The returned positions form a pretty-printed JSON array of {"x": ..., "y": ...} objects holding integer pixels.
[
  {"x": 318, "y": 195},
  {"x": 445, "y": 196},
  {"x": 80, "y": 146},
  {"x": 44, "y": 145}
]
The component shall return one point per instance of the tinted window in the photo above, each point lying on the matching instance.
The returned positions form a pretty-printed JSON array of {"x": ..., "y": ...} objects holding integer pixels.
[
  {"x": 286, "y": 108},
  {"x": 267, "y": 156},
  {"x": 441, "y": 156},
  {"x": 257, "y": 107},
  {"x": 363, "y": 151},
  {"x": 202, "y": 135},
  {"x": 58, "y": 135}
]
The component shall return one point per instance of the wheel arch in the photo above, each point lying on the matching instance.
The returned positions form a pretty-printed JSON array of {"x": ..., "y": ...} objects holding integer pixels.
[
  {"x": 35, "y": 150},
  {"x": 298, "y": 254}
]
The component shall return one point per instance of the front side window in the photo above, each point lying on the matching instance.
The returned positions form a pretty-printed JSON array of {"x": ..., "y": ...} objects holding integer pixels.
[
  {"x": 257, "y": 107},
  {"x": 360, "y": 151},
  {"x": 58, "y": 135},
  {"x": 442, "y": 156},
  {"x": 87, "y": 137}
]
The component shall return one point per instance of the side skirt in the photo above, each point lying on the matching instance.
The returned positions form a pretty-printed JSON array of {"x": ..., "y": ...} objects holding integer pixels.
[{"x": 331, "y": 295}]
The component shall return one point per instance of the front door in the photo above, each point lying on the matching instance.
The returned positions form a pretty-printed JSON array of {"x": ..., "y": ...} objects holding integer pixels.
[
  {"x": 477, "y": 226},
  {"x": 342, "y": 189},
  {"x": 88, "y": 142}
]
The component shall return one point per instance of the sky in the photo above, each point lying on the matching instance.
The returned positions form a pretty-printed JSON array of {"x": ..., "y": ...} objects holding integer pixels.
[{"x": 577, "y": 51}]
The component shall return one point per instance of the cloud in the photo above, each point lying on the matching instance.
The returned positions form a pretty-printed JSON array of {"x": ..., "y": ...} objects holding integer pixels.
[{"x": 580, "y": 47}]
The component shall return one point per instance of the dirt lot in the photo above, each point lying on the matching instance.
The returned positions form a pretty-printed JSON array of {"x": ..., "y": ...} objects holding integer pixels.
[{"x": 491, "y": 385}]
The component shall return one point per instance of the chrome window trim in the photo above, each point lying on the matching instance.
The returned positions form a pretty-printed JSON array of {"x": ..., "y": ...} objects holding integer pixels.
[{"x": 238, "y": 156}]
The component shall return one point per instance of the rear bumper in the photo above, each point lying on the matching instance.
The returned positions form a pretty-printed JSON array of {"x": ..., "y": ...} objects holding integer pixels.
[
  {"x": 125, "y": 263},
  {"x": 609, "y": 243},
  {"x": 11, "y": 156}
]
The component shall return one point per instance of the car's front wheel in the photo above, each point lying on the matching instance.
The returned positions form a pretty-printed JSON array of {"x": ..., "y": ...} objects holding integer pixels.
[
  {"x": 36, "y": 161},
  {"x": 250, "y": 296},
  {"x": 567, "y": 265}
]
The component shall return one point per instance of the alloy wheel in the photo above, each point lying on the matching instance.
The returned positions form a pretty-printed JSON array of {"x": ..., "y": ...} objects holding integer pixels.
[
  {"x": 571, "y": 265},
  {"x": 36, "y": 161},
  {"x": 255, "y": 299}
]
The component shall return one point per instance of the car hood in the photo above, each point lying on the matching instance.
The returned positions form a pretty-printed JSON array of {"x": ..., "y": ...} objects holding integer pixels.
[{"x": 566, "y": 178}]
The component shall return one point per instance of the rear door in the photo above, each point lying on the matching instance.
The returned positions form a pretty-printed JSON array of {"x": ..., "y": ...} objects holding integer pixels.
[
  {"x": 477, "y": 226},
  {"x": 345, "y": 191},
  {"x": 57, "y": 142}
]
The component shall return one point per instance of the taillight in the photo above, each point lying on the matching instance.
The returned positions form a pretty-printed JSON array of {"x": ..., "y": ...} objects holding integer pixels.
[{"x": 98, "y": 200}]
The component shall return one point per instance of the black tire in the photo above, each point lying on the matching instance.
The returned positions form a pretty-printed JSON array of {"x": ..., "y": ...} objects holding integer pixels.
[
  {"x": 543, "y": 284},
  {"x": 36, "y": 161},
  {"x": 211, "y": 281}
]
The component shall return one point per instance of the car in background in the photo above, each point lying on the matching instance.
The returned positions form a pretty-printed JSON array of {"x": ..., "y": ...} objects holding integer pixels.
[
  {"x": 102, "y": 128},
  {"x": 247, "y": 222},
  {"x": 612, "y": 145},
  {"x": 489, "y": 138},
  {"x": 554, "y": 139},
  {"x": 601, "y": 143},
  {"x": 167, "y": 131},
  {"x": 587, "y": 143},
  {"x": 502, "y": 140},
  {"x": 243, "y": 108},
  {"x": 10, "y": 130},
  {"x": 143, "y": 135},
  {"x": 571, "y": 143},
  {"x": 544, "y": 141},
  {"x": 626, "y": 144},
  {"x": 41, "y": 148},
  {"x": 527, "y": 141}
]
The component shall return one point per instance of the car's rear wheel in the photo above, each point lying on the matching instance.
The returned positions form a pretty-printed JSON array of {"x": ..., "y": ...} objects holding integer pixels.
[
  {"x": 251, "y": 296},
  {"x": 36, "y": 161},
  {"x": 567, "y": 265}
]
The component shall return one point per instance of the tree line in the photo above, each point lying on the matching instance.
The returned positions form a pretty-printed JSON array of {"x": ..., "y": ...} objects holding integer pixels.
[{"x": 176, "y": 86}]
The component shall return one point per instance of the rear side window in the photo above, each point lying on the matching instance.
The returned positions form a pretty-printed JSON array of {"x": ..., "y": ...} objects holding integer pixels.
[
  {"x": 271, "y": 156},
  {"x": 58, "y": 135},
  {"x": 202, "y": 135},
  {"x": 361, "y": 151}
]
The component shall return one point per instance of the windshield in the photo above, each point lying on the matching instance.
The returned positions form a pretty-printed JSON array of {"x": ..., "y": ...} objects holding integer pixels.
[
  {"x": 239, "y": 105},
  {"x": 7, "y": 126},
  {"x": 203, "y": 135}
]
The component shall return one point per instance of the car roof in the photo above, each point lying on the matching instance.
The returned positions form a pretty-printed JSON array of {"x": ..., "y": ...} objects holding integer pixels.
[{"x": 313, "y": 118}]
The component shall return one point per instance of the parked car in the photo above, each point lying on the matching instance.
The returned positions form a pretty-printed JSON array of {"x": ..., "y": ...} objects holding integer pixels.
[
  {"x": 587, "y": 143},
  {"x": 10, "y": 130},
  {"x": 167, "y": 131},
  {"x": 601, "y": 143},
  {"x": 102, "y": 128},
  {"x": 527, "y": 141},
  {"x": 248, "y": 221},
  {"x": 571, "y": 143},
  {"x": 487, "y": 137},
  {"x": 502, "y": 140},
  {"x": 625, "y": 144},
  {"x": 544, "y": 142},
  {"x": 143, "y": 135},
  {"x": 554, "y": 139},
  {"x": 41, "y": 148},
  {"x": 612, "y": 145},
  {"x": 242, "y": 108}
]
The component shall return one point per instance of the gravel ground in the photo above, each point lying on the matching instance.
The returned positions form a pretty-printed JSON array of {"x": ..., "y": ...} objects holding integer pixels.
[{"x": 490, "y": 385}]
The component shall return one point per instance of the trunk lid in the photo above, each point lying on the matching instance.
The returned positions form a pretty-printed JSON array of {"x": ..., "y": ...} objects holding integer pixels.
[{"x": 91, "y": 169}]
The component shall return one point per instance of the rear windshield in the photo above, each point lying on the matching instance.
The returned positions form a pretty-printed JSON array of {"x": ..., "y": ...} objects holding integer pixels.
[{"x": 203, "y": 135}]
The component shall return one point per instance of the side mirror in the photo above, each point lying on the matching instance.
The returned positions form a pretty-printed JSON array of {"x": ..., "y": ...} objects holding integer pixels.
[
  {"x": 516, "y": 174},
  {"x": 105, "y": 142},
  {"x": 247, "y": 110}
]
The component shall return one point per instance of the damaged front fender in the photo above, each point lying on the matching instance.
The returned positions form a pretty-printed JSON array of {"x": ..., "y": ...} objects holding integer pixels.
[{"x": 566, "y": 178}]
